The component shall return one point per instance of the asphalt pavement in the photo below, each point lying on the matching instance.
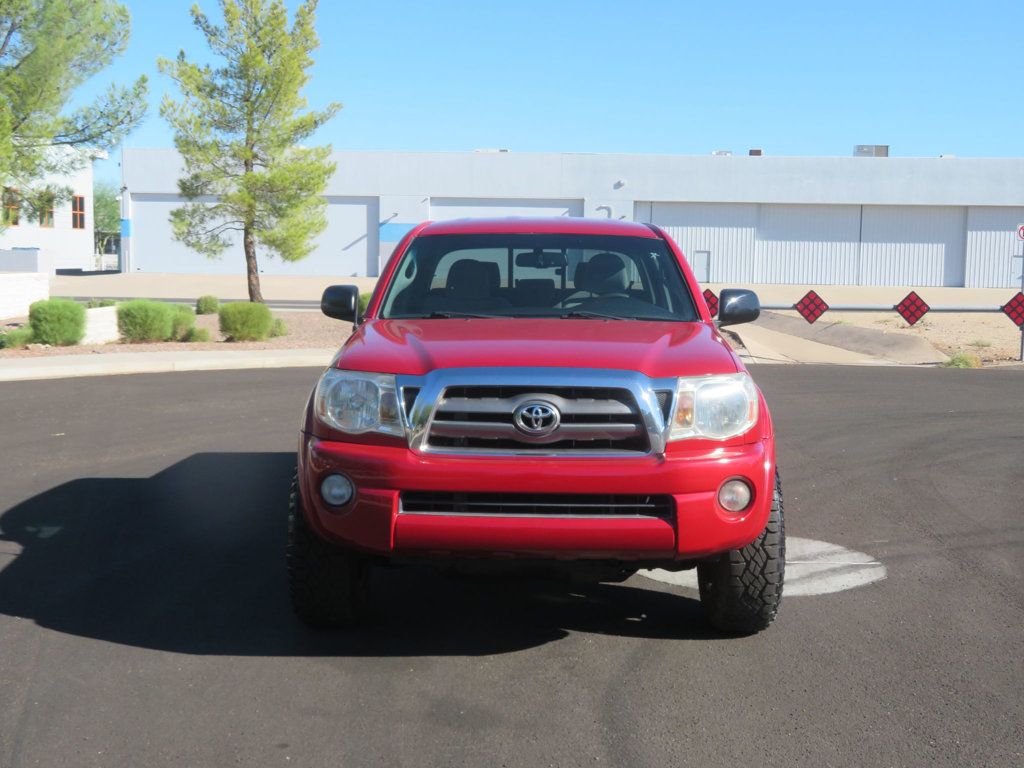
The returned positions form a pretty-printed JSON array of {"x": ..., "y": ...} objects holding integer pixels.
[{"x": 144, "y": 617}]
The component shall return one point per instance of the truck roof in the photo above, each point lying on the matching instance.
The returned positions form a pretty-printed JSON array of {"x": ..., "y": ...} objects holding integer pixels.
[{"x": 563, "y": 225}]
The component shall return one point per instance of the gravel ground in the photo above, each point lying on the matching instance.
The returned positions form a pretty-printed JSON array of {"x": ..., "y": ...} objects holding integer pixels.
[
  {"x": 990, "y": 336},
  {"x": 306, "y": 330}
]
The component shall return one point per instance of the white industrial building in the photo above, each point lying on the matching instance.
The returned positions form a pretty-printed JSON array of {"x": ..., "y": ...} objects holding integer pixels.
[
  {"x": 744, "y": 219},
  {"x": 60, "y": 238}
]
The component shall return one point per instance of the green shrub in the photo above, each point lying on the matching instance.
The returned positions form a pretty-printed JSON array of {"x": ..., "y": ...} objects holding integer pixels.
[
  {"x": 182, "y": 321},
  {"x": 364, "y": 302},
  {"x": 196, "y": 334},
  {"x": 146, "y": 320},
  {"x": 60, "y": 322},
  {"x": 207, "y": 305},
  {"x": 981, "y": 344},
  {"x": 15, "y": 338},
  {"x": 278, "y": 328},
  {"x": 963, "y": 360},
  {"x": 245, "y": 321},
  {"x": 98, "y": 303}
]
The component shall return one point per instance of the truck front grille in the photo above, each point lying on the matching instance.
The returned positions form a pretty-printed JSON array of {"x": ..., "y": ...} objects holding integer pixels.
[
  {"x": 481, "y": 419},
  {"x": 536, "y": 504}
]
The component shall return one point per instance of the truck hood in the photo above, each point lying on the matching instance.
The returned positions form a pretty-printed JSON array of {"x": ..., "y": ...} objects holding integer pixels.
[{"x": 656, "y": 349}]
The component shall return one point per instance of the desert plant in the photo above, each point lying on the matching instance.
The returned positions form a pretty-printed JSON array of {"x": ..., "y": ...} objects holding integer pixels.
[
  {"x": 207, "y": 305},
  {"x": 60, "y": 322},
  {"x": 98, "y": 303},
  {"x": 196, "y": 335},
  {"x": 963, "y": 360},
  {"x": 183, "y": 320},
  {"x": 981, "y": 344},
  {"x": 245, "y": 321},
  {"x": 278, "y": 328},
  {"x": 15, "y": 338},
  {"x": 364, "y": 302},
  {"x": 145, "y": 320}
]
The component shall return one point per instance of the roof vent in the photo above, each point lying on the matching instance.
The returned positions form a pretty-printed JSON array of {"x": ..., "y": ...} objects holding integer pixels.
[
  {"x": 722, "y": 152},
  {"x": 871, "y": 150},
  {"x": 754, "y": 152}
]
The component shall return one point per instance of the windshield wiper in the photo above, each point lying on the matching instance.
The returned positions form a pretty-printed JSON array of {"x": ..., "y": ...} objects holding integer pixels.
[
  {"x": 445, "y": 314},
  {"x": 587, "y": 314}
]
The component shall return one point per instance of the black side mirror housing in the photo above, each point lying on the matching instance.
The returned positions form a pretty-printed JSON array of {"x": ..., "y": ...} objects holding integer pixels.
[
  {"x": 341, "y": 302},
  {"x": 738, "y": 305}
]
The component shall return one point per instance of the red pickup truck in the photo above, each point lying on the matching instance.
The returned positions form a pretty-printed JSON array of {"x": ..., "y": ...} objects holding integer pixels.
[{"x": 548, "y": 394}]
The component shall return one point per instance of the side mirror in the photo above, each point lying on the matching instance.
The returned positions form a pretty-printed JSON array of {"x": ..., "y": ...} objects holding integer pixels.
[
  {"x": 341, "y": 302},
  {"x": 738, "y": 305}
]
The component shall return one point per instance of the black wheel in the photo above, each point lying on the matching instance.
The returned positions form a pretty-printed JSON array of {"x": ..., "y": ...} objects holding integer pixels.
[
  {"x": 328, "y": 584},
  {"x": 741, "y": 590}
]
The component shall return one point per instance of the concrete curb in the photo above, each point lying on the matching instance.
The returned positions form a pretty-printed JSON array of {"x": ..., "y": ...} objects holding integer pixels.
[
  {"x": 896, "y": 347},
  {"x": 69, "y": 366}
]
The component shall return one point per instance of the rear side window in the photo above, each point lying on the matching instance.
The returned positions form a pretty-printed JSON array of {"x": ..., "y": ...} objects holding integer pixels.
[{"x": 539, "y": 275}]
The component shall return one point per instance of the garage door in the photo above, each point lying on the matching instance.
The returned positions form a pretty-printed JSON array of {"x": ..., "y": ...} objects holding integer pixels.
[
  {"x": 913, "y": 245},
  {"x": 718, "y": 238},
  {"x": 348, "y": 246},
  {"x": 442, "y": 208}
]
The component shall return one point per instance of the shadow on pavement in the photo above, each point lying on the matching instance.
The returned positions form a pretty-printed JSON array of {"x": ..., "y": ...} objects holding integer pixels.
[{"x": 191, "y": 560}]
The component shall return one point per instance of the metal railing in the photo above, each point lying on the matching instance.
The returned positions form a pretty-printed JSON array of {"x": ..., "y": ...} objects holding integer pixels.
[{"x": 811, "y": 306}]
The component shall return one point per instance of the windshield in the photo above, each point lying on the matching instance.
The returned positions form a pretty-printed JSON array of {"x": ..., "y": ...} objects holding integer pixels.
[{"x": 539, "y": 275}]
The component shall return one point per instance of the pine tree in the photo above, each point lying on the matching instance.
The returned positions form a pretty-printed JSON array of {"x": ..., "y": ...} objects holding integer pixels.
[
  {"x": 48, "y": 48},
  {"x": 239, "y": 128}
]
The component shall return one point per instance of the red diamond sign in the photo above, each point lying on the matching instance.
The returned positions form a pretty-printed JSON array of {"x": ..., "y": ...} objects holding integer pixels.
[
  {"x": 712, "y": 300},
  {"x": 811, "y": 306},
  {"x": 912, "y": 308},
  {"x": 1014, "y": 309}
]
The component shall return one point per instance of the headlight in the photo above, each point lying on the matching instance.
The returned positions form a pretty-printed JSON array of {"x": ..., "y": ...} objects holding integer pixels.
[
  {"x": 714, "y": 407},
  {"x": 355, "y": 402}
]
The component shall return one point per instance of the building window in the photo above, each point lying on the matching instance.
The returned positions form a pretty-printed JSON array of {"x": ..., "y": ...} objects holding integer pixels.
[
  {"x": 78, "y": 212},
  {"x": 46, "y": 211},
  {"x": 12, "y": 207}
]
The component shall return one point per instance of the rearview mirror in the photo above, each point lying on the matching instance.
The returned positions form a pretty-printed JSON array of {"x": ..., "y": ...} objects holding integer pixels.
[
  {"x": 541, "y": 259},
  {"x": 738, "y": 305},
  {"x": 341, "y": 302}
]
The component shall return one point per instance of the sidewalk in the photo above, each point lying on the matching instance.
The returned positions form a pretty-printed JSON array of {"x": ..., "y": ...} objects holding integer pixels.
[
  {"x": 765, "y": 346},
  {"x": 68, "y": 366}
]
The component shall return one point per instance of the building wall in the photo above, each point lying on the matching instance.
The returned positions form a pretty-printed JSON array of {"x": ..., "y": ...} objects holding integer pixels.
[
  {"x": 885, "y": 221},
  {"x": 63, "y": 246}
]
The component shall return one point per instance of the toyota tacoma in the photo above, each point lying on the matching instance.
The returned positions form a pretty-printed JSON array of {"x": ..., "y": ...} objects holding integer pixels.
[{"x": 541, "y": 393}]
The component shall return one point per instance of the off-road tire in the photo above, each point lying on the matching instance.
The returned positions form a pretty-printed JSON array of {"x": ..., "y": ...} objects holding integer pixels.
[
  {"x": 740, "y": 591},
  {"x": 328, "y": 584}
]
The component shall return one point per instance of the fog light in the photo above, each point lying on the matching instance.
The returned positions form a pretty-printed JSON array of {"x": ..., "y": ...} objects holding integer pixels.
[
  {"x": 734, "y": 495},
  {"x": 337, "y": 490}
]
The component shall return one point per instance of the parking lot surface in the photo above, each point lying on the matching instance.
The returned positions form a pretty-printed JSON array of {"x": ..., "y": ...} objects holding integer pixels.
[{"x": 144, "y": 618}]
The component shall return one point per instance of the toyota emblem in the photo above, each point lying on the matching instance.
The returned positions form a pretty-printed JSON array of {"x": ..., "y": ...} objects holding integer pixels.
[{"x": 536, "y": 418}]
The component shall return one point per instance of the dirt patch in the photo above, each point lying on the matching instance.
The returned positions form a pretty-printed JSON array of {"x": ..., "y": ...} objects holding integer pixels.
[
  {"x": 990, "y": 336},
  {"x": 306, "y": 330}
]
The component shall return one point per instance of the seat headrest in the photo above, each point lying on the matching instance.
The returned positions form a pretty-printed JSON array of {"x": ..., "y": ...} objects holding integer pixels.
[
  {"x": 470, "y": 277},
  {"x": 604, "y": 273}
]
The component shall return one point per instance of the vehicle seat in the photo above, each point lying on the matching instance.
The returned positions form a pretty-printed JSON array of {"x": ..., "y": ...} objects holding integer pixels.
[
  {"x": 470, "y": 287},
  {"x": 604, "y": 276}
]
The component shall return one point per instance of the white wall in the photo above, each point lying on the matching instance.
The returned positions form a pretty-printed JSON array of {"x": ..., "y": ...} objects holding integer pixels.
[
  {"x": 63, "y": 246},
  {"x": 839, "y": 220},
  {"x": 19, "y": 289}
]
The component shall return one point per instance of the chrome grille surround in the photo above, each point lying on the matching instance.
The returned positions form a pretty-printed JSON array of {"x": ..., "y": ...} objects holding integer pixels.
[{"x": 632, "y": 417}]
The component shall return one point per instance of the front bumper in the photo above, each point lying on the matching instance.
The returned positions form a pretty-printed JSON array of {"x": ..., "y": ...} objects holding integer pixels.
[{"x": 373, "y": 521}]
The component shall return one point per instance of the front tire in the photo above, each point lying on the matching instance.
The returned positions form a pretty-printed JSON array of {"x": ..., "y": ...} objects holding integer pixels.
[
  {"x": 328, "y": 584},
  {"x": 740, "y": 591}
]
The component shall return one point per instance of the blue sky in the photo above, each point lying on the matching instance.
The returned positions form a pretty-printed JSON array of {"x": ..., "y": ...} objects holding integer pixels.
[{"x": 648, "y": 76}]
